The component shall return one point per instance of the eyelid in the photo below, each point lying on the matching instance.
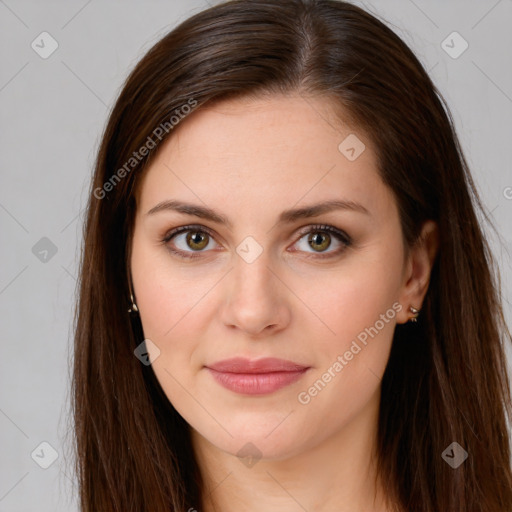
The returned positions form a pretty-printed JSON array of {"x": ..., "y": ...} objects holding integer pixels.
[
  {"x": 325, "y": 228},
  {"x": 342, "y": 237},
  {"x": 191, "y": 227},
  {"x": 186, "y": 255}
]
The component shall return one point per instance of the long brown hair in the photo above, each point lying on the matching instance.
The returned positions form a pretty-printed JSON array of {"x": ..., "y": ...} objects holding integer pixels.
[{"x": 446, "y": 380}]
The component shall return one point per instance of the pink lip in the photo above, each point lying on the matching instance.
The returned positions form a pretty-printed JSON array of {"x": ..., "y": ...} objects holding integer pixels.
[{"x": 256, "y": 377}]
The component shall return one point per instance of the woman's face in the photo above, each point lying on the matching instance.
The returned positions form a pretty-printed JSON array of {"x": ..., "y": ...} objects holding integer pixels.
[{"x": 256, "y": 275}]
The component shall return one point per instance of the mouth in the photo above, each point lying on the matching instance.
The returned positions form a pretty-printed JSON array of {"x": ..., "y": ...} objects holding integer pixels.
[{"x": 256, "y": 377}]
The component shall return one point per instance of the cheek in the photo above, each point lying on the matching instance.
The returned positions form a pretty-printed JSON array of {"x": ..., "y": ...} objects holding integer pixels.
[
  {"x": 349, "y": 301},
  {"x": 355, "y": 347},
  {"x": 166, "y": 293},
  {"x": 171, "y": 315},
  {"x": 174, "y": 308},
  {"x": 358, "y": 310},
  {"x": 349, "y": 372}
]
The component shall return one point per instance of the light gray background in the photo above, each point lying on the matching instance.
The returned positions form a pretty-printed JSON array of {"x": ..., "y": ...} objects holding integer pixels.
[{"x": 52, "y": 114}]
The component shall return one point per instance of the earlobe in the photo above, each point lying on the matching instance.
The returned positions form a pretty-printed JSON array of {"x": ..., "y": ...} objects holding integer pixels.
[{"x": 422, "y": 256}]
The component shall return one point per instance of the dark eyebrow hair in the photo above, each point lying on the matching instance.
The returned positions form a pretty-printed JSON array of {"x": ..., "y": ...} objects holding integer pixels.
[{"x": 287, "y": 216}]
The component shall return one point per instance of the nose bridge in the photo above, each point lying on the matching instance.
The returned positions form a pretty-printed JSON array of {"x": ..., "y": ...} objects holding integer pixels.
[
  {"x": 253, "y": 301},
  {"x": 252, "y": 273}
]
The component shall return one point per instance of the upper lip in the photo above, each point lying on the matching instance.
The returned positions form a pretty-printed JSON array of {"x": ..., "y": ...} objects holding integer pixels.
[{"x": 265, "y": 365}]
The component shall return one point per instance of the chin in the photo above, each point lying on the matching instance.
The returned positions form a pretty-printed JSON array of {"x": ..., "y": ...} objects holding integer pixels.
[{"x": 266, "y": 437}]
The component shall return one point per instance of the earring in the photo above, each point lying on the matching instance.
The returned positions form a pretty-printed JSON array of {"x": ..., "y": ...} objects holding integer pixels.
[
  {"x": 415, "y": 313},
  {"x": 133, "y": 308}
]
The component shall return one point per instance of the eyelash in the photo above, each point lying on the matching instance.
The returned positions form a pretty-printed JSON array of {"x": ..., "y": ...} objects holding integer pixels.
[{"x": 340, "y": 235}]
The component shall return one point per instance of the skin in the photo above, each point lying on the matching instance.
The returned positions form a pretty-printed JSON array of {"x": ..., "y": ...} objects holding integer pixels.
[{"x": 250, "y": 159}]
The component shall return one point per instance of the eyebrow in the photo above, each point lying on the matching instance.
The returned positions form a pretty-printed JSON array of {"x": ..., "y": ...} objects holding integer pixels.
[{"x": 287, "y": 216}]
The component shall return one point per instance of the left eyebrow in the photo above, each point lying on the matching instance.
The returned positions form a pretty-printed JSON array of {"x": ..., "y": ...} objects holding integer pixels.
[
  {"x": 314, "y": 210},
  {"x": 287, "y": 216}
]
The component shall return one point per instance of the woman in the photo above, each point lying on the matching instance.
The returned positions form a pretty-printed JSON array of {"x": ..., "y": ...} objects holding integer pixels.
[{"x": 286, "y": 299}]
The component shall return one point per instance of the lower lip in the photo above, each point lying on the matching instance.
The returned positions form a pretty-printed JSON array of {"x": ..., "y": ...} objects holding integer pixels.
[{"x": 256, "y": 383}]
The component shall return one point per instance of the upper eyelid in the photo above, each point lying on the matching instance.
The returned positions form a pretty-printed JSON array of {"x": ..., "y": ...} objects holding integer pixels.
[
  {"x": 190, "y": 227},
  {"x": 302, "y": 231}
]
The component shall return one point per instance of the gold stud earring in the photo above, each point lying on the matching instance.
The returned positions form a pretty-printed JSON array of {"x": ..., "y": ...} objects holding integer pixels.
[{"x": 415, "y": 313}]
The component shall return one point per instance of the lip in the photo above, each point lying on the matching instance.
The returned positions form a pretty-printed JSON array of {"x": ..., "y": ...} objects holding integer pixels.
[{"x": 256, "y": 377}]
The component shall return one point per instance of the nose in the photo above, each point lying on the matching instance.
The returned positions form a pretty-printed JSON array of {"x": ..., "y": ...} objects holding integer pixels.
[{"x": 256, "y": 301}]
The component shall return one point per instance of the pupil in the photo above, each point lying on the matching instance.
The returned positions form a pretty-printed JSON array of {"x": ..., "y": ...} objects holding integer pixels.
[
  {"x": 197, "y": 239},
  {"x": 319, "y": 240}
]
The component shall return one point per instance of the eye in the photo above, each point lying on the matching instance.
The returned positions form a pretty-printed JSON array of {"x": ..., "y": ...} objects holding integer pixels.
[
  {"x": 188, "y": 240},
  {"x": 320, "y": 238}
]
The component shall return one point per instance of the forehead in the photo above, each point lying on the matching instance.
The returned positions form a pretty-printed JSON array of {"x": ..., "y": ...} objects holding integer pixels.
[
  {"x": 264, "y": 151},
  {"x": 275, "y": 128}
]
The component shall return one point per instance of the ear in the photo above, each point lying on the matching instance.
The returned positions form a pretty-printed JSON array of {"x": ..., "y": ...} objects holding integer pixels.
[{"x": 417, "y": 270}]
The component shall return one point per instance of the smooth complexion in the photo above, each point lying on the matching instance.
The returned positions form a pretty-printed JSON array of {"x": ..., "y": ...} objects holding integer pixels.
[{"x": 248, "y": 160}]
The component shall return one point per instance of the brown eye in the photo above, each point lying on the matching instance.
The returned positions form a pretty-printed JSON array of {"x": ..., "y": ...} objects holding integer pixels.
[
  {"x": 319, "y": 241},
  {"x": 189, "y": 241},
  {"x": 194, "y": 241},
  {"x": 197, "y": 240},
  {"x": 316, "y": 240}
]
